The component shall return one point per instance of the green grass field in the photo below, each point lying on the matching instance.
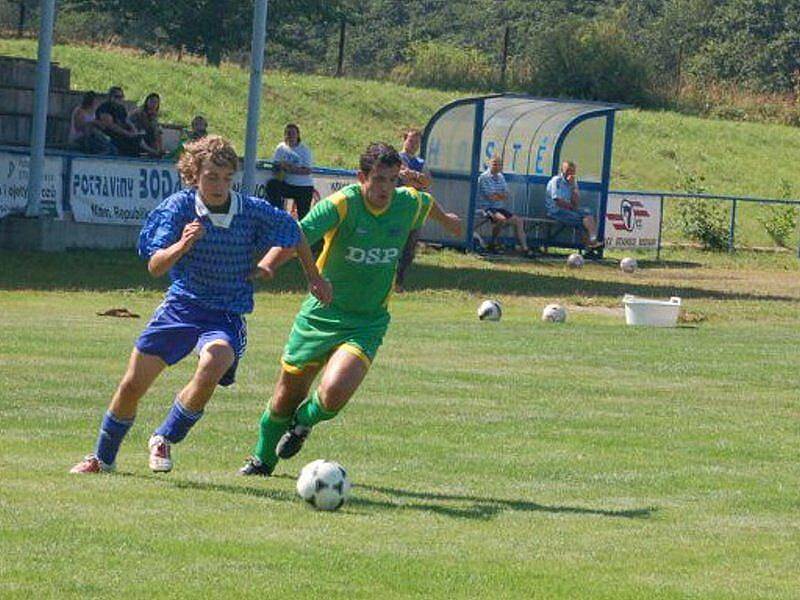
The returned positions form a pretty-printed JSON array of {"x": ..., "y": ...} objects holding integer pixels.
[
  {"x": 510, "y": 459},
  {"x": 653, "y": 150}
]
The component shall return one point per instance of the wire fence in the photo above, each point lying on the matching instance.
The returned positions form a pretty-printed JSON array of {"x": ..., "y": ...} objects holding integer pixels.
[{"x": 725, "y": 222}]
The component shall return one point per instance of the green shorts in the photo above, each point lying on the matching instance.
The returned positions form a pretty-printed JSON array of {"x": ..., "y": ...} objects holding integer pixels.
[{"x": 315, "y": 337}]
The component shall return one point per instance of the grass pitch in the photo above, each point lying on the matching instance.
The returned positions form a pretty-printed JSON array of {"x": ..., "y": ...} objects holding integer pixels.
[{"x": 510, "y": 459}]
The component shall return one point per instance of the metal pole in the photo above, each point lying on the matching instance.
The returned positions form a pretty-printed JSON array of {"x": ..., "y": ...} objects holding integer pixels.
[
  {"x": 254, "y": 95},
  {"x": 732, "y": 231},
  {"x": 40, "y": 102},
  {"x": 504, "y": 60},
  {"x": 660, "y": 228},
  {"x": 340, "y": 61}
]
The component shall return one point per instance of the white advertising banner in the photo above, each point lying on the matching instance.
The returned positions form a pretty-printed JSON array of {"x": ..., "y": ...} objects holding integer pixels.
[
  {"x": 632, "y": 221},
  {"x": 119, "y": 192},
  {"x": 14, "y": 172},
  {"x": 326, "y": 184},
  {"x": 123, "y": 192}
]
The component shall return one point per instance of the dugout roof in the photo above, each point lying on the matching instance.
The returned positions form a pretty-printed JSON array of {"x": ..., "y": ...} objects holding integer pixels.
[{"x": 533, "y": 135}]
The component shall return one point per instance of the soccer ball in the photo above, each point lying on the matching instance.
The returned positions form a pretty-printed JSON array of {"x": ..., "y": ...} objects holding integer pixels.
[
  {"x": 554, "y": 313},
  {"x": 324, "y": 485},
  {"x": 490, "y": 310},
  {"x": 575, "y": 261},
  {"x": 628, "y": 264}
]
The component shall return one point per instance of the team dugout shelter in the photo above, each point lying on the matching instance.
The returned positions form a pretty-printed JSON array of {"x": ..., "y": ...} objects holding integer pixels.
[{"x": 533, "y": 136}]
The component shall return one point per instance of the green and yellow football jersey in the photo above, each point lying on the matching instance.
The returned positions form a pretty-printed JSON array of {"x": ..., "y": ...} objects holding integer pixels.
[{"x": 362, "y": 246}]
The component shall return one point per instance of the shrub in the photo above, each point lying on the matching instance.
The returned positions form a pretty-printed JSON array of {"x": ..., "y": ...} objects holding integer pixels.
[
  {"x": 594, "y": 61},
  {"x": 703, "y": 221},
  {"x": 444, "y": 66},
  {"x": 780, "y": 222}
]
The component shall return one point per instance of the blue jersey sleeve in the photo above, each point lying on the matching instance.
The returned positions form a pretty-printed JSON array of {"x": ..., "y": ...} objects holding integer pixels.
[
  {"x": 163, "y": 228},
  {"x": 276, "y": 227}
]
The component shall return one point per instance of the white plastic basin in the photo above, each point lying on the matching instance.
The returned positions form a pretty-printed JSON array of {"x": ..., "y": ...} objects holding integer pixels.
[{"x": 656, "y": 313}]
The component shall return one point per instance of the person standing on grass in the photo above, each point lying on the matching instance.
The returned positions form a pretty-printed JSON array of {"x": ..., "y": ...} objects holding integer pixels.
[
  {"x": 412, "y": 174},
  {"x": 364, "y": 226},
  {"x": 208, "y": 238}
]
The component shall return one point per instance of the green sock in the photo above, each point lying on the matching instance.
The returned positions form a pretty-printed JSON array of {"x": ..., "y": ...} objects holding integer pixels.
[
  {"x": 311, "y": 412},
  {"x": 272, "y": 428}
]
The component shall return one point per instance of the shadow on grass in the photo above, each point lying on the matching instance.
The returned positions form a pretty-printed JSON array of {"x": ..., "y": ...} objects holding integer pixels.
[
  {"x": 474, "y": 507},
  {"x": 122, "y": 270},
  {"x": 486, "y": 281}
]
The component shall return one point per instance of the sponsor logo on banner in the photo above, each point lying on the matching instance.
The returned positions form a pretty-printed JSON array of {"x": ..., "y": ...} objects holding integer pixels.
[
  {"x": 120, "y": 192},
  {"x": 632, "y": 221},
  {"x": 14, "y": 173},
  {"x": 123, "y": 192}
]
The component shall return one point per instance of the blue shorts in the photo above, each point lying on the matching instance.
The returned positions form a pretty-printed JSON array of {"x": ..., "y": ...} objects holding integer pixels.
[
  {"x": 178, "y": 327},
  {"x": 573, "y": 218}
]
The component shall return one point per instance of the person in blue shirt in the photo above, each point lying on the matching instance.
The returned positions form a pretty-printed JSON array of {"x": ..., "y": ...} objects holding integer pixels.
[
  {"x": 412, "y": 174},
  {"x": 208, "y": 238},
  {"x": 562, "y": 202},
  {"x": 493, "y": 196}
]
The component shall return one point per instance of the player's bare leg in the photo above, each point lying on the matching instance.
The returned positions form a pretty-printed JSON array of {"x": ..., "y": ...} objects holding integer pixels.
[
  {"x": 343, "y": 374},
  {"x": 215, "y": 359},
  {"x": 142, "y": 371}
]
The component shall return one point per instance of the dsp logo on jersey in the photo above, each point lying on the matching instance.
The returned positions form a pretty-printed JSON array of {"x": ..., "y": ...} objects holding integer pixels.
[{"x": 372, "y": 256}]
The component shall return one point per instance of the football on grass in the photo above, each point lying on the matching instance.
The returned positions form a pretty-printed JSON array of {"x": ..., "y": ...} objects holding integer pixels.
[
  {"x": 628, "y": 264},
  {"x": 490, "y": 310},
  {"x": 324, "y": 484},
  {"x": 575, "y": 261},
  {"x": 554, "y": 313}
]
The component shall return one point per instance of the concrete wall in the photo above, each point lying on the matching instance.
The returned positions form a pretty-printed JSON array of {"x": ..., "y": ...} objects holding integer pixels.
[
  {"x": 51, "y": 235},
  {"x": 17, "y": 83}
]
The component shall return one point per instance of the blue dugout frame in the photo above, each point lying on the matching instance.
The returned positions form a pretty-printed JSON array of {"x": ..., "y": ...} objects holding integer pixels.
[{"x": 593, "y": 110}]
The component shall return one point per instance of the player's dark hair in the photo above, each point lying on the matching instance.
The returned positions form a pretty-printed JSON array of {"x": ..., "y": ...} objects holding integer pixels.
[
  {"x": 378, "y": 153},
  {"x": 295, "y": 127}
]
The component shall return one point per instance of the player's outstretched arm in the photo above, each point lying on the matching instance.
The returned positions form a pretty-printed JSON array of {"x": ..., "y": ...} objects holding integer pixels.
[
  {"x": 163, "y": 260},
  {"x": 273, "y": 260},
  {"x": 319, "y": 287},
  {"x": 276, "y": 257},
  {"x": 450, "y": 221}
]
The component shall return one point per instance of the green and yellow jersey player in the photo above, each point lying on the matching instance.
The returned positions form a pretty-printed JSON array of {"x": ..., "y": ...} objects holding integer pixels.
[{"x": 364, "y": 227}]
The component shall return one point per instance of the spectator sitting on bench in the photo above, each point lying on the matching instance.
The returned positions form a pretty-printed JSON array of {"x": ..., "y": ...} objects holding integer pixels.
[
  {"x": 113, "y": 119},
  {"x": 199, "y": 128},
  {"x": 563, "y": 204},
  {"x": 145, "y": 118},
  {"x": 85, "y": 132},
  {"x": 492, "y": 195},
  {"x": 198, "y": 131}
]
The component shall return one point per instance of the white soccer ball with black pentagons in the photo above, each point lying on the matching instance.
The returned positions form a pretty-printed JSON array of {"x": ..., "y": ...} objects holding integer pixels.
[
  {"x": 324, "y": 484},
  {"x": 490, "y": 310}
]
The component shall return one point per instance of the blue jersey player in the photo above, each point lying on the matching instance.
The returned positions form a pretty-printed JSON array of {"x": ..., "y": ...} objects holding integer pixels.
[{"x": 208, "y": 238}]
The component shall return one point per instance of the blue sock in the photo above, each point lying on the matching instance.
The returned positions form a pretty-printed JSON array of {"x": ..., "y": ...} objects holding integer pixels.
[
  {"x": 178, "y": 422},
  {"x": 112, "y": 432}
]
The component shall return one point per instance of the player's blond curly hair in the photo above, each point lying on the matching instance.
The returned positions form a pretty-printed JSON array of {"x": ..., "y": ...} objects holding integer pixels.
[{"x": 212, "y": 147}]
